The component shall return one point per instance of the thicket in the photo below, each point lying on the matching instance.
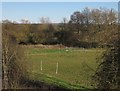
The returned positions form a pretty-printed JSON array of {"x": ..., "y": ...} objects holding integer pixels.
[
  {"x": 88, "y": 28},
  {"x": 13, "y": 69}
]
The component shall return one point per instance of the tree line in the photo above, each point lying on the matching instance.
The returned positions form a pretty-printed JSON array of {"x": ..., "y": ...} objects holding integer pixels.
[{"x": 87, "y": 28}]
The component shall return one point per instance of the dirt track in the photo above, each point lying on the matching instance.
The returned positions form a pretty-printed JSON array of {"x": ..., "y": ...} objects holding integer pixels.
[{"x": 45, "y": 46}]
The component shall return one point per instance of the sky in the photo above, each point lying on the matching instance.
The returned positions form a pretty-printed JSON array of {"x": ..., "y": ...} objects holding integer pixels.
[
  {"x": 60, "y": 0},
  {"x": 56, "y": 11}
]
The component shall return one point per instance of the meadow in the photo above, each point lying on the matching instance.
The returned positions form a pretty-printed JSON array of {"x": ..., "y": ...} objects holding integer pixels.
[{"x": 75, "y": 66}]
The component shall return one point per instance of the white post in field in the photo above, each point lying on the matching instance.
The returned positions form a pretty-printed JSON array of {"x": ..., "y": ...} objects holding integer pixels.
[
  {"x": 57, "y": 68},
  {"x": 41, "y": 65}
]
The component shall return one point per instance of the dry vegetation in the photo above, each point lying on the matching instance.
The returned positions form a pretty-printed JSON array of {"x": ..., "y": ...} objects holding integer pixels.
[{"x": 90, "y": 28}]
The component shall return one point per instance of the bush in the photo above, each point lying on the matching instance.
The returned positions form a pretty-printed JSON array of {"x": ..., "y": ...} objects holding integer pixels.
[{"x": 107, "y": 75}]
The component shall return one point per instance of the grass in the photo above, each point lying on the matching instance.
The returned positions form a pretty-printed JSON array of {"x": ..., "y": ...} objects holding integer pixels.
[
  {"x": 54, "y": 81},
  {"x": 75, "y": 66}
]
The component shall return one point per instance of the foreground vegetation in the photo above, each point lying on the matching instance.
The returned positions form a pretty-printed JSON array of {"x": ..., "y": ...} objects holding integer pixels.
[
  {"x": 76, "y": 66},
  {"x": 63, "y": 66}
]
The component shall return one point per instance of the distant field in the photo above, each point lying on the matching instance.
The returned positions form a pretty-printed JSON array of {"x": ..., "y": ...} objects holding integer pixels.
[{"x": 75, "y": 65}]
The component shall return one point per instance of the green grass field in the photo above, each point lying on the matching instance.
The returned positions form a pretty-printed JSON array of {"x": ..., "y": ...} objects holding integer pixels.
[{"x": 75, "y": 66}]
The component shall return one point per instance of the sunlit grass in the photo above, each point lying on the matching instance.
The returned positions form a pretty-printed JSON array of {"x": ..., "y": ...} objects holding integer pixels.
[{"x": 75, "y": 65}]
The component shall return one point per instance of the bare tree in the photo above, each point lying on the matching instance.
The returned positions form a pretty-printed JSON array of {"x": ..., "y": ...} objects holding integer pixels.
[
  {"x": 12, "y": 70},
  {"x": 45, "y": 20},
  {"x": 107, "y": 75}
]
